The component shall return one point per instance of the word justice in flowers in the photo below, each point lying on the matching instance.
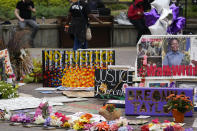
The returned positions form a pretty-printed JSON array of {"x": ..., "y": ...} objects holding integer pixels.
[
  {"x": 179, "y": 70},
  {"x": 112, "y": 82},
  {"x": 150, "y": 101}
]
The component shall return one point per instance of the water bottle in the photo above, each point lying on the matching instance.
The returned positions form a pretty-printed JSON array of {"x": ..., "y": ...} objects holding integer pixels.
[{"x": 43, "y": 20}]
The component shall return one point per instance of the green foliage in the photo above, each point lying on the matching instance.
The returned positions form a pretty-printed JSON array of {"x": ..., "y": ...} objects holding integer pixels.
[
  {"x": 117, "y": 6},
  {"x": 8, "y": 4},
  {"x": 46, "y": 8},
  {"x": 7, "y": 14},
  {"x": 51, "y": 12},
  {"x": 191, "y": 11},
  {"x": 59, "y": 3},
  {"x": 36, "y": 75},
  {"x": 7, "y": 90}
]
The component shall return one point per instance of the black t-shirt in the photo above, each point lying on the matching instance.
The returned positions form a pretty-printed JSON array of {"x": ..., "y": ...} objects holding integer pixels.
[
  {"x": 24, "y": 10},
  {"x": 82, "y": 12}
]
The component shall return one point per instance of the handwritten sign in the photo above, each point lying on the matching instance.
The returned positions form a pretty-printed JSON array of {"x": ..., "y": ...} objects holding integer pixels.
[
  {"x": 56, "y": 64},
  {"x": 112, "y": 82},
  {"x": 150, "y": 101}
]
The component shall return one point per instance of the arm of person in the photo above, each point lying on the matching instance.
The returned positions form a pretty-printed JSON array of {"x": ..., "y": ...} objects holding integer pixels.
[
  {"x": 95, "y": 18},
  {"x": 16, "y": 12},
  {"x": 32, "y": 9},
  {"x": 67, "y": 22}
]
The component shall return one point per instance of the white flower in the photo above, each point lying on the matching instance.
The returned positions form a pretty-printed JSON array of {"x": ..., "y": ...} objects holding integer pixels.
[
  {"x": 122, "y": 122},
  {"x": 56, "y": 122},
  {"x": 155, "y": 127},
  {"x": 39, "y": 120},
  {"x": 7, "y": 116}
]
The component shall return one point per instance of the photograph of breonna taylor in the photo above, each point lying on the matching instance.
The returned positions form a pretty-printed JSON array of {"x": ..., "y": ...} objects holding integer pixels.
[{"x": 176, "y": 51}]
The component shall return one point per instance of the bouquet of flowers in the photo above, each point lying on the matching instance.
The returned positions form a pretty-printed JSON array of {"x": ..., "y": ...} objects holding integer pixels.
[
  {"x": 156, "y": 125},
  {"x": 109, "y": 112},
  {"x": 83, "y": 122},
  {"x": 181, "y": 103},
  {"x": 43, "y": 110},
  {"x": 5, "y": 115}
]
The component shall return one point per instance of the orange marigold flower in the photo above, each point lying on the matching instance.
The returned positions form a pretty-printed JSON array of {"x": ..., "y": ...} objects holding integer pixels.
[
  {"x": 187, "y": 107},
  {"x": 176, "y": 104},
  {"x": 88, "y": 115},
  {"x": 175, "y": 109}
]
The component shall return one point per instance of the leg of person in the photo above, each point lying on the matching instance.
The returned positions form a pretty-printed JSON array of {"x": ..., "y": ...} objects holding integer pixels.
[
  {"x": 84, "y": 45},
  {"x": 35, "y": 27},
  {"x": 76, "y": 44},
  {"x": 138, "y": 27},
  {"x": 22, "y": 24},
  {"x": 145, "y": 28}
]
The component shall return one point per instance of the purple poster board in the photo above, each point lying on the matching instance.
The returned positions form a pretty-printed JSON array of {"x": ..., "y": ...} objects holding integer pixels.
[{"x": 150, "y": 101}]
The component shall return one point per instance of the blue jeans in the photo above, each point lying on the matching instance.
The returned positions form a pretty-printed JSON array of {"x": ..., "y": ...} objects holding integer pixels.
[
  {"x": 32, "y": 24},
  {"x": 79, "y": 45}
]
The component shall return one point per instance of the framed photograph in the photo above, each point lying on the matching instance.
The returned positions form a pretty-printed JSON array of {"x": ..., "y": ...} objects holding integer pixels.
[
  {"x": 187, "y": 84},
  {"x": 158, "y": 84}
]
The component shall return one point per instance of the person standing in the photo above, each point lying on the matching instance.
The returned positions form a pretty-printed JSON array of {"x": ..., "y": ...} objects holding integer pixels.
[
  {"x": 136, "y": 17},
  {"x": 79, "y": 13},
  {"x": 23, "y": 12}
]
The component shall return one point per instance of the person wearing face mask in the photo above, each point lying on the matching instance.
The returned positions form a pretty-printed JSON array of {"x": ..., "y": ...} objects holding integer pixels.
[
  {"x": 174, "y": 56},
  {"x": 79, "y": 13},
  {"x": 136, "y": 17},
  {"x": 23, "y": 12}
]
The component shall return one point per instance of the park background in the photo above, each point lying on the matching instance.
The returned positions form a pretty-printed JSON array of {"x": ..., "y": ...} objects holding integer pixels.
[{"x": 51, "y": 9}]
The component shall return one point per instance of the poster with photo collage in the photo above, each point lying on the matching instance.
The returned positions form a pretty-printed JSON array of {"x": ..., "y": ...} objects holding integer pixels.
[{"x": 173, "y": 56}]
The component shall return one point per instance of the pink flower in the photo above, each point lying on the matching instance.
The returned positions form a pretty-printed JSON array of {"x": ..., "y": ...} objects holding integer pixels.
[
  {"x": 41, "y": 105},
  {"x": 88, "y": 126},
  {"x": 145, "y": 60},
  {"x": 156, "y": 121},
  {"x": 114, "y": 127},
  {"x": 14, "y": 118},
  {"x": 166, "y": 121},
  {"x": 178, "y": 128},
  {"x": 141, "y": 85},
  {"x": 62, "y": 116}
]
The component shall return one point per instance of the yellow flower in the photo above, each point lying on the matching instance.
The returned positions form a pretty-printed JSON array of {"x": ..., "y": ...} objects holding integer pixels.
[
  {"x": 84, "y": 120},
  {"x": 150, "y": 125},
  {"x": 172, "y": 123},
  {"x": 66, "y": 125},
  {"x": 78, "y": 126},
  {"x": 53, "y": 117}
]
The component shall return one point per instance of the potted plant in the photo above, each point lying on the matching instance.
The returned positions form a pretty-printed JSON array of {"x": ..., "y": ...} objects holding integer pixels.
[{"x": 179, "y": 105}]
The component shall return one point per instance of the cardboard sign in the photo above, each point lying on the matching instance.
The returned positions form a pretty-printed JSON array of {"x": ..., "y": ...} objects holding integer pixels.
[
  {"x": 57, "y": 63},
  {"x": 110, "y": 82},
  {"x": 150, "y": 101},
  {"x": 2, "y": 70},
  {"x": 168, "y": 56},
  {"x": 8, "y": 68}
]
